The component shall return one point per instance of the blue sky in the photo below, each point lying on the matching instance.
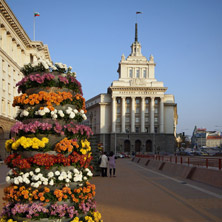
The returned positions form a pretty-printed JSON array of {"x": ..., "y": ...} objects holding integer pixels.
[{"x": 184, "y": 36}]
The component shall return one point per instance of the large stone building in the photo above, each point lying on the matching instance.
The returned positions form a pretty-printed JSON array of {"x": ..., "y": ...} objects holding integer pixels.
[
  {"x": 135, "y": 115},
  {"x": 16, "y": 49}
]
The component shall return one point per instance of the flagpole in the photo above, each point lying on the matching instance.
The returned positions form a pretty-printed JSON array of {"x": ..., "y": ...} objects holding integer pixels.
[{"x": 34, "y": 27}]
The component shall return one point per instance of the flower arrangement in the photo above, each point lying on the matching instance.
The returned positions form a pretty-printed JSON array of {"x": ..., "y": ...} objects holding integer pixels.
[
  {"x": 26, "y": 143},
  {"x": 48, "y": 161},
  {"x": 39, "y": 177},
  {"x": 70, "y": 130},
  {"x": 50, "y": 98},
  {"x": 66, "y": 145},
  {"x": 45, "y": 112},
  {"x": 44, "y": 194},
  {"x": 52, "y": 183},
  {"x": 49, "y": 80}
]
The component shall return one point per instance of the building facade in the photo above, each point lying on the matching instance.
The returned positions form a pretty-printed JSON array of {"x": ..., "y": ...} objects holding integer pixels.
[
  {"x": 16, "y": 49},
  {"x": 135, "y": 115}
]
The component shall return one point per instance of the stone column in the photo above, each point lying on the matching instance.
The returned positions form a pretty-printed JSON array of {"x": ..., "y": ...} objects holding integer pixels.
[
  {"x": 161, "y": 115},
  {"x": 123, "y": 117},
  {"x": 152, "y": 115},
  {"x": 113, "y": 114},
  {"x": 142, "y": 114},
  {"x": 133, "y": 115}
]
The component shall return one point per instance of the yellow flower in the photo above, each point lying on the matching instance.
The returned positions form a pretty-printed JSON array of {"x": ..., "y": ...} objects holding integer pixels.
[
  {"x": 8, "y": 145},
  {"x": 45, "y": 140}
]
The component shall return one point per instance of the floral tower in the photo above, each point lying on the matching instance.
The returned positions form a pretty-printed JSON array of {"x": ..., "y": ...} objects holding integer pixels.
[{"x": 50, "y": 154}]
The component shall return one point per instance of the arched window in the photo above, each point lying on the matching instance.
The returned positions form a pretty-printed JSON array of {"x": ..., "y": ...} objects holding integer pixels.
[
  {"x": 148, "y": 146},
  {"x": 127, "y": 146},
  {"x": 137, "y": 146}
]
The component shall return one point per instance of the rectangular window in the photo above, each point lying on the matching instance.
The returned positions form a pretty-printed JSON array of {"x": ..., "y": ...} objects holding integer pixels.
[
  {"x": 156, "y": 110},
  {"x": 127, "y": 110},
  {"x": 137, "y": 101},
  {"x": 147, "y": 129},
  {"x": 147, "y": 101},
  {"x": 147, "y": 110},
  {"x": 137, "y": 73},
  {"x": 118, "y": 109},
  {"x": 146, "y": 119},
  {"x": 118, "y": 120},
  {"x": 156, "y": 101},
  {"x": 131, "y": 73},
  {"x": 155, "y": 119},
  {"x": 137, "y": 129},
  {"x": 127, "y": 119},
  {"x": 137, "y": 119},
  {"x": 137, "y": 110},
  {"x": 127, "y": 101},
  {"x": 144, "y": 73}
]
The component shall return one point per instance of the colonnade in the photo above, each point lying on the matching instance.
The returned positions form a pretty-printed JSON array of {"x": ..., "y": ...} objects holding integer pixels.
[{"x": 142, "y": 114}]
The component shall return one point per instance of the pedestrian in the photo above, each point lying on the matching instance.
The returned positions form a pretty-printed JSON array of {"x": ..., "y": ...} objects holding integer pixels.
[
  {"x": 104, "y": 164},
  {"x": 112, "y": 164}
]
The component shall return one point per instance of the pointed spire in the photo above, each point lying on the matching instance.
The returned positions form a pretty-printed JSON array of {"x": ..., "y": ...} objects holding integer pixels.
[{"x": 136, "y": 34}]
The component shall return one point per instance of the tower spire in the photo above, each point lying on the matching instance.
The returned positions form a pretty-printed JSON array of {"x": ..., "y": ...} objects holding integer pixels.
[{"x": 136, "y": 33}]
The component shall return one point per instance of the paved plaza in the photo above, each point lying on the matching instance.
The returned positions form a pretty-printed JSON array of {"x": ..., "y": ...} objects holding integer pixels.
[{"x": 138, "y": 194}]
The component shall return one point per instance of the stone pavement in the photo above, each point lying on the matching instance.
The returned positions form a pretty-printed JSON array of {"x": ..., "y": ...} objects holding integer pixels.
[{"x": 138, "y": 194}]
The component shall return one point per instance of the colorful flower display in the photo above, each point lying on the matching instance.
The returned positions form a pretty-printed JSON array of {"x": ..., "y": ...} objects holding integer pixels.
[
  {"x": 50, "y": 156},
  {"x": 26, "y": 143}
]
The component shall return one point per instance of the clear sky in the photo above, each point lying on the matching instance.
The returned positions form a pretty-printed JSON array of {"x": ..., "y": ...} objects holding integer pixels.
[{"x": 184, "y": 36}]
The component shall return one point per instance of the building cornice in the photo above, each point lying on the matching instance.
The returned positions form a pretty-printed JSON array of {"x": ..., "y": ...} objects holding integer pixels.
[
  {"x": 19, "y": 31},
  {"x": 151, "y": 89},
  {"x": 9, "y": 58},
  {"x": 14, "y": 23}
]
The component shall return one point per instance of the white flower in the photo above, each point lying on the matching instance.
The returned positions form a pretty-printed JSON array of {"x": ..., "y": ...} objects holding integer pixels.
[
  {"x": 45, "y": 183},
  {"x": 57, "y": 173},
  {"x": 46, "y": 109},
  {"x": 82, "y": 111},
  {"x": 68, "y": 111},
  {"x": 89, "y": 174},
  {"x": 72, "y": 115},
  {"x": 75, "y": 171},
  {"x": 75, "y": 111},
  {"x": 10, "y": 172},
  {"x": 50, "y": 174},
  {"x": 62, "y": 115},
  {"x": 67, "y": 180},
  {"x": 84, "y": 117},
  {"x": 54, "y": 116},
  {"x": 55, "y": 110},
  {"x": 84, "y": 178},
  {"x": 41, "y": 112},
  {"x": 35, "y": 178},
  {"x": 36, "y": 113},
  {"x": 60, "y": 178},
  {"x": 25, "y": 113},
  {"x": 37, "y": 170},
  {"x": 7, "y": 179},
  {"x": 51, "y": 183},
  {"x": 20, "y": 179},
  {"x": 27, "y": 181},
  {"x": 70, "y": 68},
  {"x": 31, "y": 173},
  {"x": 16, "y": 181}
]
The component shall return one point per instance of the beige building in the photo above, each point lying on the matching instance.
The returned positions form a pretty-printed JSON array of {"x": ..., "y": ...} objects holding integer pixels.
[
  {"x": 16, "y": 49},
  {"x": 136, "y": 115}
]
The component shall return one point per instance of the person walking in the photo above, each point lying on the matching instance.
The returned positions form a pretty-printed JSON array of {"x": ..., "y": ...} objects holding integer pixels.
[
  {"x": 104, "y": 164},
  {"x": 112, "y": 164}
]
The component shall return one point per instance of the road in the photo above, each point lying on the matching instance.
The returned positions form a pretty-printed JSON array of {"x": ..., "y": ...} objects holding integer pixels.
[{"x": 138, "y": 194}]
